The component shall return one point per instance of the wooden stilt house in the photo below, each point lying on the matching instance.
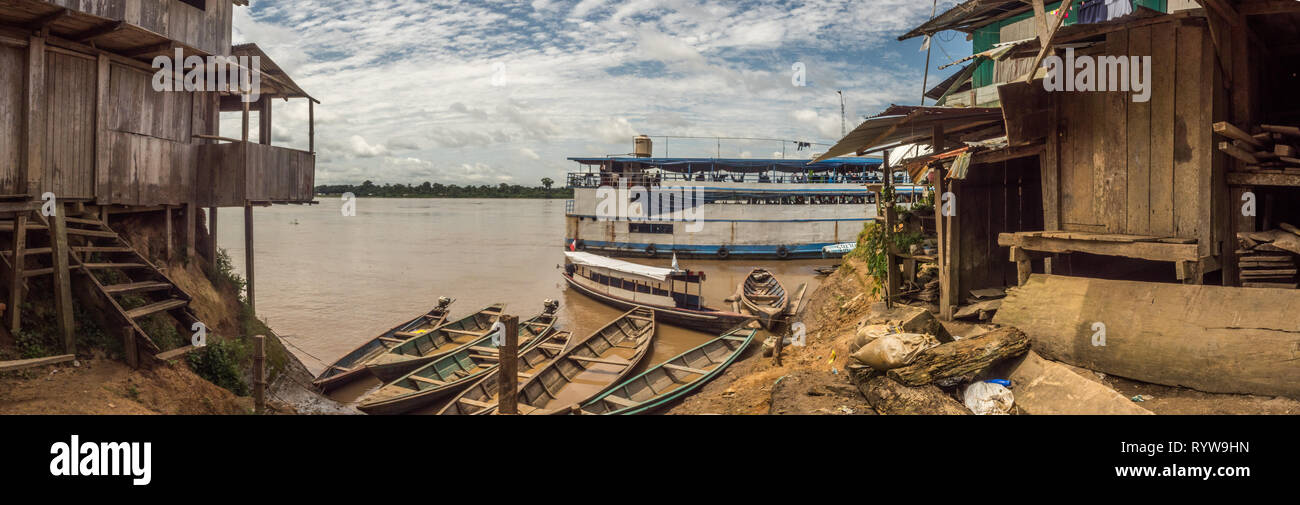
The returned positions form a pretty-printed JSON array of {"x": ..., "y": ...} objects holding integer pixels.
[{"x": 86, "y": 136}]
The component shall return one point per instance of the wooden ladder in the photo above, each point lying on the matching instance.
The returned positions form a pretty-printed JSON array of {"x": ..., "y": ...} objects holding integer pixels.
[{"x": 96, "y": 250}]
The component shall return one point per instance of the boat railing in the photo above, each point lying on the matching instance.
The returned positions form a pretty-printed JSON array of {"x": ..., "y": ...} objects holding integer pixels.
[
  {"x": 568, "y": 207},
  {"x": 597, "y": 179}
]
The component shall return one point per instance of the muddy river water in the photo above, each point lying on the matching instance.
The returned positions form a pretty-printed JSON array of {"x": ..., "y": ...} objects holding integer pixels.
[{"x": 327, "y": 282}]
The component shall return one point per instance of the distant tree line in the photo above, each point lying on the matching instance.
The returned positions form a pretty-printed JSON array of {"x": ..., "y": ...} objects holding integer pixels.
[{"x": 435, "y": 190}]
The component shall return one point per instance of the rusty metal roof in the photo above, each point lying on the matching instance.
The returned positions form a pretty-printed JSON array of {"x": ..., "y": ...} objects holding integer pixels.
[{"x": 915, "y": 125}]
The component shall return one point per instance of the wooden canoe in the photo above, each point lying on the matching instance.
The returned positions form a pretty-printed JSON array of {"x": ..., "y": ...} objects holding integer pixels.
[
  {"x": 420, "y": 349},
  {"x": 763, "y": 295},
  {"x": 452, "y": 372},
  {"x": 603, "y": 359},
  {"x": 352, "y": 365},
  {"x": 707, "y": 320},
  {"x": 673, "y": 379},
  {"x": 480, "y": 398}
]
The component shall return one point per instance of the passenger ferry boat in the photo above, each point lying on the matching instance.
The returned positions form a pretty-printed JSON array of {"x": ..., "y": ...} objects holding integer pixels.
[
  {"x": 751, "y": 208},
  {"x": 674, "y": 294}
]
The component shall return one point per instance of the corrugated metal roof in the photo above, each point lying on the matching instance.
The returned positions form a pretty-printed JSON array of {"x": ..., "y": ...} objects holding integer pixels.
[{"x": 915, "y": 125}]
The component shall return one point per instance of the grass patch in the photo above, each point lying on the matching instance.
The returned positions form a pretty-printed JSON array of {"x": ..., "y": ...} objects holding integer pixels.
[{"x": 220, "y": 363}]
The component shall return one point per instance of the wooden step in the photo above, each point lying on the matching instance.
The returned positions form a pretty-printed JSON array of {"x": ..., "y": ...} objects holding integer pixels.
[
  {"x": 101, "y": 249},
  {"x": 9, "y": 226},
  {"x": 91, "y": 233},
  {"x": 124, "y": 266},
  {"x": 174, "y": 353},
  {"x": 22, "y": 364},
  {"x": 154, "y": 308},
  {"x": 136, "y": 287},
  {"x": 29, "y": 252},
  {"x": 81, "y": 220},
  {"x": 36, "y": 272}
]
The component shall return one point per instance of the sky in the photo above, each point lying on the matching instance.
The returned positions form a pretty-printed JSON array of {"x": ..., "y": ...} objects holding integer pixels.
[{"x": 485, "y": 92}]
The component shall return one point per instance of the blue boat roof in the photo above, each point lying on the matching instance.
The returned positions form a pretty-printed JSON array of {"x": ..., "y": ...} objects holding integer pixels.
[{"x": 741, "y": 164}]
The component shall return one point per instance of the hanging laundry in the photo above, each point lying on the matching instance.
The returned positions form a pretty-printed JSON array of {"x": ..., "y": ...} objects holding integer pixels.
[{"x": 1098, "y": 11}]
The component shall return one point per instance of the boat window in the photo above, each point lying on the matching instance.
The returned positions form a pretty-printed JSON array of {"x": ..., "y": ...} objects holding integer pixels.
[
  {"x": 661, "y": 228},
  {"x": 643, "y": 288}
]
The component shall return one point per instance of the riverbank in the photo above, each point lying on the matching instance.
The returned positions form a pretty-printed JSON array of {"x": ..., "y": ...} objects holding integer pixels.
[
  {"x": 812, "y": 380},
  {"x": 99, "y": 381}
]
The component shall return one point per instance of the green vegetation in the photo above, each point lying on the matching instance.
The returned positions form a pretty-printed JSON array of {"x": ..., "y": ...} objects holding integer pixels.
[
  {"x": 871, "y": 250},
  {"x": 431, "y": 190},
  {"x": 220, "y": 362}
]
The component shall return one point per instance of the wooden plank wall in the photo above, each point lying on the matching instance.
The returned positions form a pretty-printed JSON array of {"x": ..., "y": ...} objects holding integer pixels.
[
  {"x": 151, "y": 160},
  {"x": 1143, "y": 168},
  {"x": 277, "y": 174},
  {"x": 1002, "y": 197},
  {"x": 69, "y": 160},
  {"x": 13, "y": 63},
  {"x": 205, "y": 29}
]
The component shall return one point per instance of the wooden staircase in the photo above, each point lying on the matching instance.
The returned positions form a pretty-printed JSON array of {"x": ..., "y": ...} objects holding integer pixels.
[{"x": 130, "y": 286}]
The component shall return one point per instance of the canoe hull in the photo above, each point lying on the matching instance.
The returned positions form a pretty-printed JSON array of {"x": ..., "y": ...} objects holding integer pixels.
[
  {"x": 706, "y": 321},
  {"x": 659, "y": 402},
  {"x": 393, "y": 370},
  {"x": 330, "y": 379}
]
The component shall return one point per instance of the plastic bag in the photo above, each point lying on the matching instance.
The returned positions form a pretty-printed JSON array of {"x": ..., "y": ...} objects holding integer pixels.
[
  {"x": 894, "y": 350},
  {"x": 987, "y": 398}
]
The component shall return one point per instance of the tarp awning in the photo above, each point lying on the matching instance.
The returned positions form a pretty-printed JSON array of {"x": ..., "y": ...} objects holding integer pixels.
[
  {"x": 592, "y": 260},
  {"x": 909, "y": 124}
]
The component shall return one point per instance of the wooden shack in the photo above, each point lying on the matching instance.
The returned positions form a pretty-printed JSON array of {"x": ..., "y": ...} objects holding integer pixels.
[
  {"x": 83, "y": 125},
  {"x": 1104, "y": 174}
]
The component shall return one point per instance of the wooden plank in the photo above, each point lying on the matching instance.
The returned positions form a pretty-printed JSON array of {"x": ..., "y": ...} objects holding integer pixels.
[
  {"x": 620, "y": 401},
  {"x": 249, "y": 263},
  {"x": 1164, "y": 333},
  {"x": 36, "y": 114},
  {"x": 602, "y": 361},
  {"x": 1138, "y": 201},
  {"x": 685, "y": 368},
  {"x": 427, "y": 380},
  {"x": 1112, "y": 184},
  {"x": 1163, "y": 59},
  {"x": 1154, "y": 251},
  {"x": 1190, "y": 153},
  {"x": 62, "y": 280},
  {"x": 1050, "y": 170},
  {"x": 16, "y": 274},
  {"x": 23, "y": 364},
  {"x": 155, "y": 308},
  {"x": 507, "y": 378},
  {"x": 1227, "y": 130}
]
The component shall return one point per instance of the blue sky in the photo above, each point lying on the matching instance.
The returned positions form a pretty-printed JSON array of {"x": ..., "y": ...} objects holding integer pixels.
[{"x": 484, "y": 92}]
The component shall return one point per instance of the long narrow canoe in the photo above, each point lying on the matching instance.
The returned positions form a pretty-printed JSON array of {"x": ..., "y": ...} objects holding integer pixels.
[
  {"x": 763, "y": 295},
  {"x": 418, "y": 350},
  {"x": 352, "y": 365},
  {"x": 600, "y": 361},
  {"x": 480, "y": 398},
  {"x": 674, "y": 378},
  {"x": 448, "y": 374}
]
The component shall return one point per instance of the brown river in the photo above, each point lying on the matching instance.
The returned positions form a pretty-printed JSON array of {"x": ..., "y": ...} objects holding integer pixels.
[{"x": 326, "y": 282}]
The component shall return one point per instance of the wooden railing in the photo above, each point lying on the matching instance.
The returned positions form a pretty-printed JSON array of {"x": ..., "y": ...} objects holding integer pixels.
[{"x": 240, "y": 173}]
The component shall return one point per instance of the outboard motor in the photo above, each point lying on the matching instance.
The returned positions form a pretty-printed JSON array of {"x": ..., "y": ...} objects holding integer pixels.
[
  {"x": 550, "y": 306},
  {"x": 443, "y": 302}
]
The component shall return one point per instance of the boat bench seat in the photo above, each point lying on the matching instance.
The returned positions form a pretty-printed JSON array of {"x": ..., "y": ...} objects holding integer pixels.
[
  {"x": 476, "y": 403},
  {"x": 486, "y": 350},
  {"x": 685, "y": 368},
  {"x": 600, "y": 360},
  {"x": 620, "y": 401},
  {"x": 427, "y": 380}
]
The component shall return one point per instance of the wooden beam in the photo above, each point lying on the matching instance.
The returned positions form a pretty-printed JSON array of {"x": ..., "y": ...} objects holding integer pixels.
[
  {"x": 1047, "y": 45},
  {"x": 1040, "y": 15},
  {"x": 248, "y": 259},
  {"x": 507, "y": 374},
  {"x": 1266, "y": 7},
  {"x": 23, "y": 364},
  {"x": 35, "y": 105},
  {"x": 311, "y": 126},
  {"x": 259, "y": 374},
  {"x": 191, "y": 218},
  {"x": 103, "y": 185},
  {"x": 1237, "y": 152},
  {"x": 245, "y": 121},
  {"x": 212, "y": 237},
  {"x": 167, "y": 247},
  {"x": 1257, "y": 179},
  {"x": 1154, "y": 251},
  {"x": 264, "y": 121},
  {"x": 165, "y": 47},
  {"x": 98, "y": 31},
  {"x": 62, "y": 279},
  {"x": 1226, "y": 129},
  {"x": 45, "y": 21},
  {"x": 16, "y": 281}
]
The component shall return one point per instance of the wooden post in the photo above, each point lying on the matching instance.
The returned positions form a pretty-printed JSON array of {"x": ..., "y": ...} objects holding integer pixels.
[
  {"x": 167, "y": 248},
  {"x": 191, "y": 217},
  {"x": 777, "y": 347},
  {"x": 212, "y": 236},
  {"x": 259, "y": 374},
  {"x": 248, "y": 258},
  {"x": 62, "y": 279},
  {"x": 19, "y": 262},
  {"x": 36, "y": 110},
  {"x": 129, "y": 347},
  {"x": 891, "y": 261},
  {"x": 311, "y": 126},
  {"x": 241, "y": 100},
  {"x": 1023, "y": 266},
  {"x": 264, "y": 121},
  {"x": 508, "y": 377}
]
